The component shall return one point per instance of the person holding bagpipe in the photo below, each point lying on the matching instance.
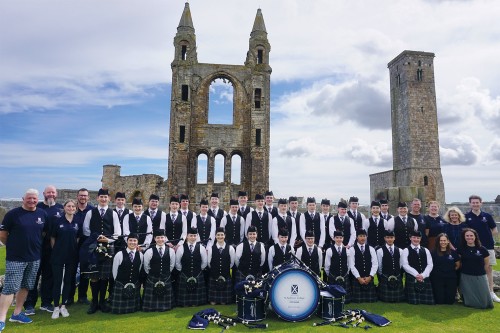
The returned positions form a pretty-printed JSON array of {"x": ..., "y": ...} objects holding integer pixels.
[
  {"x": 417, "y": 262},
  {"x": 363, "y": 264},
  {"x": 280, "y": 252},
  {"x": 220, "y": 257},
  {"x": 310, "y": 253},
  {"x": 250, "y": 256},
  {"x": 102, "y": 222},
  {"x": 190, "y": 261},
  {"x": 159, "y": 261},
  {"x": 234, "y": 225},
  {"x": 282, "y": 221},
  {"x": 390, "y": 274},
  {"x": 337, "y": 259},
  {"x": 127, "y": 266}
]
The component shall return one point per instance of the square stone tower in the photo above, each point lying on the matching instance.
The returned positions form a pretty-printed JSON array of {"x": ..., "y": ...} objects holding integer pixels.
[
  {"x": 191, "y": 135},
  {"x": 415, "y": 140}
]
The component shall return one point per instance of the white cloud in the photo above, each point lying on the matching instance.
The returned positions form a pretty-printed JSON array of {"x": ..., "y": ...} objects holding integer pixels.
[
  {"x": 377, "y": 154},
  {"x": 459, "y": 150}
]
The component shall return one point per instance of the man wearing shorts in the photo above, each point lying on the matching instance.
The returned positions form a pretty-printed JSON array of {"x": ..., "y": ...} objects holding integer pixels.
[{"x": 22, "y": 231}]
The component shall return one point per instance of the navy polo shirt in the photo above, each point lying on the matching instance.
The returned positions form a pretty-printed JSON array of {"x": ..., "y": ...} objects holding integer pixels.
[
  {"x": 65, "y": 246},
  {"x": 482, "y": 223},
  {"x": 53, "y": 213},
  {"x": 79, "y": 218},
  {"x": 473, "y": 260},
  {"x": 444, "y": 265},
  {"x": 25, "y": 229}
]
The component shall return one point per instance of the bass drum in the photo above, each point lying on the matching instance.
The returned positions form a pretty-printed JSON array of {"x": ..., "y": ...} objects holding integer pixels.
[{"x": 294, "y": 293}]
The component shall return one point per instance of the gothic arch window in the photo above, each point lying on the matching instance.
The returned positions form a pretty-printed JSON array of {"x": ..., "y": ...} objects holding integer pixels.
[
  {"x": 260, "y": 56},
  {"x": 219, "y": 168},
  {"x": 221, "y": 101},
  {"x": 426, "y": 181},
  {"x": 236, "y": 169},
  {"x": 419, "y": 74},
  {"x": 202, "y": 168}
]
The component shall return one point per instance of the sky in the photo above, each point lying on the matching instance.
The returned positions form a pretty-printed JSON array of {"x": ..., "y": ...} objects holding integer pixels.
[{"x": 86, "y": 83}]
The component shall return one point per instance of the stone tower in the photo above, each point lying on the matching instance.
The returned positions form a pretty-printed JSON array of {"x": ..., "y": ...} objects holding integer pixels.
[
  {"x": 415, "y": 140},
  {"x": 190, "y": 133}
]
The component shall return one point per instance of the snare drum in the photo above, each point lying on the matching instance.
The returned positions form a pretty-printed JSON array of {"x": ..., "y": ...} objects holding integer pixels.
[
  {"x": 294, "y": 293},
  {"x": 329, "y": 307},
  {"x": 251, "y": 309}
]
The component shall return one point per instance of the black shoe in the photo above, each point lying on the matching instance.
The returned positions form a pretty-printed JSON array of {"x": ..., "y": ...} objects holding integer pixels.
[
  {"x": 105, "y": 307},
  {"x": 70, "y": 302},
  {"x": 83, "y": 301},
  {"x": 93, "y": 308}
]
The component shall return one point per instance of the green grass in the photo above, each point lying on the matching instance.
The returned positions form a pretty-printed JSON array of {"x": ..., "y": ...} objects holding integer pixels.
[{"x": 404, "y": 317}]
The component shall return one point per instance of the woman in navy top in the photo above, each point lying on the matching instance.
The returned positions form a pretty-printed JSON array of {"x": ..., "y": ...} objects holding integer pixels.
[
  {"x": 455, "y": 224},
  {"x": 443, "y": 276},
  {"x": 64, "y": 241},
  {"x": 433, "y": 224},
  {"x": 473, "y": 280}
]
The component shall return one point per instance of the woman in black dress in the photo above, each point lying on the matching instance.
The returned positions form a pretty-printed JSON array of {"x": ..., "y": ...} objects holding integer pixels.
[{"x": 443, "y": 276}]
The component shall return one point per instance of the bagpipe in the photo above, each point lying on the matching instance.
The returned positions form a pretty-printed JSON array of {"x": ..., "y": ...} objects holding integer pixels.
[
  {"x": 355, "y": 318},
  {"x": 212, "y": 315}
]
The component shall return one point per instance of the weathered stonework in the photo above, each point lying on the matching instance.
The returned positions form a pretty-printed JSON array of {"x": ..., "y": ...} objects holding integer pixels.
[{"x": 415, "y": 140}]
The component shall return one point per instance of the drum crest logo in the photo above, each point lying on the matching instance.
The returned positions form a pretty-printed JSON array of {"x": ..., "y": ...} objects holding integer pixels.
[{"x": 295, "y": 289}]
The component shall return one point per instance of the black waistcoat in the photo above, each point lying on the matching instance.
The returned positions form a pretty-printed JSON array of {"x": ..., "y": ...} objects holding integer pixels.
[
  {"x": 155, "y": 223},
  {"x": 363, "y": 261},
  {"x": 328, "y": 239},
  {"x": 125, "y": 212},
  {"x": 376, "y": 233},
  {"x": 245, "y": 212},
  {"x": 218, "y": 217},
  {"x": 402, "y": 231},
  {"x": 338, "y": 262},
  {"x": 191, "y": 262},
  {"x": 102, "y": 225},
  {"x": 128, "y": 271},
  {"x": 285, "y": 224},
  {"x": 390, "y": 264},
  {"x": 314, "y": 225},
  {"x": 233, "y": 230},
  {"x": 160, "y": 266},
  {"x": 220, "y": 264},
  {"x": 344, "y": 227},
  {"x": 417, "y": 260},
  {"x": 141, "y": 227},
  {"x": 250, "y": 261},
  {"x": 173, "y": 230},
  {"x": 273, "y": 212},
  {"x": 204, "y": 228},
  {"x": 189, "y": 215},
  {"x": 297, "y": 223},
  {"x": 262, "y": 226},
  {"x": 311, "y": 260},
  {"x": 358, "y": 221},
  {"x": 279, "y": 256}
]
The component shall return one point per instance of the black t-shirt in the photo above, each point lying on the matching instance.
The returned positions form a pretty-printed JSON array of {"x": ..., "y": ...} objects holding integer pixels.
[
  {"x": 65, "y": 246},
  {"x": 473, "y": 260},
  {"x": 444, "y": 265},
  {"x": 25, "y": 229}
]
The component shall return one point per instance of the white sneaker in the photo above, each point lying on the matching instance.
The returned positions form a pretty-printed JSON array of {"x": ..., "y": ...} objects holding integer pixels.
[
  {"x": 55, "y": 313},
  {"x": 64, "y": 312},
  {"x": 494, "y": 297}
]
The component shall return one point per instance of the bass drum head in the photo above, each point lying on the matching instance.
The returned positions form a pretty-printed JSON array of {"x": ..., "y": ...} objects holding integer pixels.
[{"x": 294, "y": 295}]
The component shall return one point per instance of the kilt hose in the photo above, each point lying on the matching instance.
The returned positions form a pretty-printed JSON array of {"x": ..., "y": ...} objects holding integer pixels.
[
  {"x": 218, "y": 296},
  {"x": 120, "y": 304},
  {"x": 152, "y": 302},
  {"x": 363, "y": 293},
  {"x": 346, "y": 285},
  {"x": 388, "y": 292},
  {"x": 186, "y": 297},
  {"x": 414, "y": 296}
]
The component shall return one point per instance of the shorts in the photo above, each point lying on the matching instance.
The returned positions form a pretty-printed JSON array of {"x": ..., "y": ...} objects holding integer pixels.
[
  {"x": 492, "y": 257},
  {"x": 19, "y": 275}
]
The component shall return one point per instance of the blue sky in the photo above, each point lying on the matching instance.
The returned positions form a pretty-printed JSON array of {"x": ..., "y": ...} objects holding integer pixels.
[{"x": 88, "y": 83}]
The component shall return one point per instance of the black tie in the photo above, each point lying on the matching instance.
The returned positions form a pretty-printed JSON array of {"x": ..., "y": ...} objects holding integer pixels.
[{"x": 293, "y": 215}]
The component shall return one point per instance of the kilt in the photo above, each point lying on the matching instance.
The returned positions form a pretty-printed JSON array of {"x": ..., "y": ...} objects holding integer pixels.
[
  {"x": 152, "y": 302},
  {"x": 363, "y": 293},
  {"x": 191, "y": 298},
  {"x": 387, "y": 293},
  {"x": 120, "y": 304},
  {"x": 425, "y": 296},
  {"x": 104, "y": 266},
  {"x": 225, "y": 296},
  {"x": 346, "y": 285}
]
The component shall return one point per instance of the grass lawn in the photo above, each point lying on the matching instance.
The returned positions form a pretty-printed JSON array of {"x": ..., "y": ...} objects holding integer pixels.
[{"x": 404, "y": 317}]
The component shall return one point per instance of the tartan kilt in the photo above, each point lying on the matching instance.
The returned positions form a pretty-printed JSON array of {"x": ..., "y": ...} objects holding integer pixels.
[
  {"x": 225, "y": 296},
  {"x": 120, "y": 304},
  {"x": 195, "y": 297},
  {"x": 387, "y": 293},
  {"x": 363, "y": 294},
  {"x": 104, "y": 267},
  {"x": 414, "y": 297},
  {"x": 346, "y": 285},
  {"x": 152, "y": 302}
]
